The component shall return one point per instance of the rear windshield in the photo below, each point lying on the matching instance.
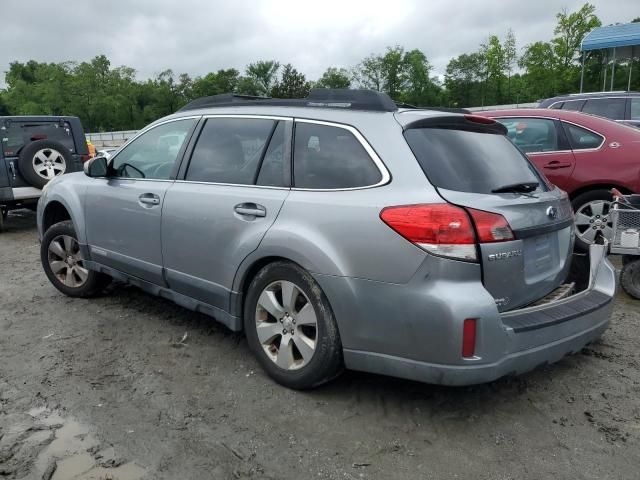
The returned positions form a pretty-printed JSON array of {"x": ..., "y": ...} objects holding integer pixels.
[{"x": 467, "y": 161}]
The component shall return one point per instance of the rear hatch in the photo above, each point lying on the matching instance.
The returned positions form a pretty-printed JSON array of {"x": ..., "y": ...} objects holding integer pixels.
[{"x": 474, "y": 165}]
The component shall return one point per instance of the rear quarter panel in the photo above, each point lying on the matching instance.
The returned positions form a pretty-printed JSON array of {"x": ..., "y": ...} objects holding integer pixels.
[
  {"x": 616, "y": 162},
  {"x": 340, "y": 232}
]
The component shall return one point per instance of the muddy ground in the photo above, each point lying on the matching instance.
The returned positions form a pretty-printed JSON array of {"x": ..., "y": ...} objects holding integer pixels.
[{"x": 104, "y": 388}]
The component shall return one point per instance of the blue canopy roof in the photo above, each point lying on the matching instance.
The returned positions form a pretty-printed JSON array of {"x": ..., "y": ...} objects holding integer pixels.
[{"x": 624, "y": 35}]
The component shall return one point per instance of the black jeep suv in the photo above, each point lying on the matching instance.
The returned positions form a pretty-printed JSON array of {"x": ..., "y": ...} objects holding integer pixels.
[{"x": 33, "y": 150}]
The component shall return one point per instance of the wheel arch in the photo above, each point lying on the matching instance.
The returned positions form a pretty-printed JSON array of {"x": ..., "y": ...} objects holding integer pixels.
[
  {"x": 598, "y": 186},
  {"x": 53, "y": 213},
  {"x": 245, "y": 274},
  {"x": 61, "y": 197}
]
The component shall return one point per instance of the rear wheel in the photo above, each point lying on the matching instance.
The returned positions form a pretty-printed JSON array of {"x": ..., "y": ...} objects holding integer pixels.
[
  {"x": 3, "y": 217},
  {"x": 630, "y": 278},
  {"x": 593, "y": 221},
  {"x": 290, "y": 327},
  {"x": 63, "y": 263}
]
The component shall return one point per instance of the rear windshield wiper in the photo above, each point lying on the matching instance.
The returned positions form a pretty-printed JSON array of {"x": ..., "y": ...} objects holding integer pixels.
[{"x": 523, "y": 188}]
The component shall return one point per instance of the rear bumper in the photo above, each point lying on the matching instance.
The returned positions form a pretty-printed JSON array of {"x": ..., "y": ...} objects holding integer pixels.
[
  {"x": 511, "y": 343},
  {"x": 459, "y": 375}
]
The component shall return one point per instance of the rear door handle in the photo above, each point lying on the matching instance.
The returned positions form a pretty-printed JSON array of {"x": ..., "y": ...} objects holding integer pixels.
[
  {"x": 149, "y": 199},
  {"x": 250, "y": 210},
  {"x": 556, "y": 164}
]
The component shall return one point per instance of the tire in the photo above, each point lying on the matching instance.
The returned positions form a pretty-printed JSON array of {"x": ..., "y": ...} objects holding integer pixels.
[
  {"x": 319, "y": 358},
  {"x": 42, "y": 160},
  {"x": 62, "y": 263},
  {"x": 630, "y": 278},
  {"x": 592, "y": 210},
  {"x": 628, "y": 259},
  {"x": 3, "y": 217}
]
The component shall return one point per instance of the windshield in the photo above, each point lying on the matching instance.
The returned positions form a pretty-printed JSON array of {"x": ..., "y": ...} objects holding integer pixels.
[{"x": 472, "y": 162}]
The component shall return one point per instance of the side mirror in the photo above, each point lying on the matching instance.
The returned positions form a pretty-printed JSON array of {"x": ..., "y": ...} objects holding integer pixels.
[{"x": 97, "y": 167}]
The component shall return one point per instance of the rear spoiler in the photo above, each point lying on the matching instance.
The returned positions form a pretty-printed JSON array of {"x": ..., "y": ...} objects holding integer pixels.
[{"x": 470, "y": 123}]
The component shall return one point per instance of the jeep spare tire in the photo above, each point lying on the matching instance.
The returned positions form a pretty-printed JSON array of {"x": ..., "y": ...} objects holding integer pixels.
[{"x": 42, "y": 160}]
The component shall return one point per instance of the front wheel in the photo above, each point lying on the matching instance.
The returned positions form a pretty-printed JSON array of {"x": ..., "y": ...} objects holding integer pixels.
[
  {"x": 64, "y": 266},
  {"x": 290, "y": 327}
]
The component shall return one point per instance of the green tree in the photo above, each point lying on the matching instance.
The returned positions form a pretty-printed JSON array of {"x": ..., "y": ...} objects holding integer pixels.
[
  {"x": 292, "y": 84},
  {"x": 510, "y": 59},
  {"x": 539, "y": 62},
  {"x": 570, "y": 30},
  {"x": 418, "y": 89},
  {"x": 552, "y": 68},
  {"x": 394, "y": 71},
  {"x": 370, "y": 73},
  {"x": 264, "y": 74},
  {"x": 249, "y": 86},
  {"x": 463, "y": 80},
  {"x": 334, "y": 78}
]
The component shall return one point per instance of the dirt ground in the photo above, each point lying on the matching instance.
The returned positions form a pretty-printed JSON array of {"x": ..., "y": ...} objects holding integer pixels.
[{"x": 106, "y": 389}]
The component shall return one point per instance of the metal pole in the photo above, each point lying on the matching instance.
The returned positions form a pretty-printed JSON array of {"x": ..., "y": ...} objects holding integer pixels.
[
  {"x": 630, "y": 69},
  {"x": 604, "y": 83},
  {"x": 613, "y": 68},
  {"x": 582, "y": 73}
]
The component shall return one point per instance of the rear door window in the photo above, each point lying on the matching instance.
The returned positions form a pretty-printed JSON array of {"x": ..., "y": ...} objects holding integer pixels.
[
  {"x": 468, "y": 161},
  {"x": 606, "y": 107},
  {"x": 230, "y": 150},
  {"x": 581, "y": 138},
  {"x": 331, "y": 157},
  {"x": 573, "y": 105},
  {"x": 15, "y": 135},
  {"x": 272, "y": 168},
  {"x": 532, "y": 134}
]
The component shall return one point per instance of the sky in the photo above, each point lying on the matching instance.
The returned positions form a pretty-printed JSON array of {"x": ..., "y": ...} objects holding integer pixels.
[{"x": 198, "y": 36}]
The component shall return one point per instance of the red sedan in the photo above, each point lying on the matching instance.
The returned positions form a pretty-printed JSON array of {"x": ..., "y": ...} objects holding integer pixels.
[{"x": 583, "y": 154}]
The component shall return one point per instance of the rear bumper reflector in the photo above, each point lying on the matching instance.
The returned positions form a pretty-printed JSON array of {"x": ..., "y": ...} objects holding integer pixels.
[{"x": 469, "y": 338}]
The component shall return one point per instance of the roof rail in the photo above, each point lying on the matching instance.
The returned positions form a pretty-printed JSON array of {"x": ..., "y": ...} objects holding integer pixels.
[
  {"x": 368, "y": 100},
  {"x": 598, "y": 93}
]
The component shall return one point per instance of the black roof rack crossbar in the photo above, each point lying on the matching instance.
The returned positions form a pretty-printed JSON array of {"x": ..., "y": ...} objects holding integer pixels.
[{"x": 367, "y": 100}]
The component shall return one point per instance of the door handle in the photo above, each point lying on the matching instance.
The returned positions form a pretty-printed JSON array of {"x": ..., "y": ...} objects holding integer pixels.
[
  {"x": 250, "y": 210},
  {"x": 556, "y": 164},
  {"x": 149, "y": 199}
]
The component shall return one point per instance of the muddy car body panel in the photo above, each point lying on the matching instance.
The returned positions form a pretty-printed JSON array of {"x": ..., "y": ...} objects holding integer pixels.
[{"x": 400, "y": 308}]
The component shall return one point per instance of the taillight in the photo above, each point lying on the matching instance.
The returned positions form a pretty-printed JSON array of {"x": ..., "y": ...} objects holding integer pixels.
[
  {"x": 491, "y": 227},
  {"x": 439, "y": 228},
  {"x": 445, "y": 229},
  {"x": 469, "y": 338}
]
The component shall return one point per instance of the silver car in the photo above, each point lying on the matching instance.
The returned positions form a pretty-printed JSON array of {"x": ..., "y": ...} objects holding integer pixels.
[{"x": 338, "y": 231}]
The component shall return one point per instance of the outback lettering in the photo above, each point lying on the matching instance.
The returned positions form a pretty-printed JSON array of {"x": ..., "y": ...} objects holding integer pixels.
[{"x": 504, "y": 255}]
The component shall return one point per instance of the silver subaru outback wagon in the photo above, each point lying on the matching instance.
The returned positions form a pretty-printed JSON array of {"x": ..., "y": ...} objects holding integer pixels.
[{"x": 338, "y": 231}]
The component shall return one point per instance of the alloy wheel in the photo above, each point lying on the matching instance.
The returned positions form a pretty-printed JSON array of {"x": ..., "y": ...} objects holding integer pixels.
[
  {"x": 65, "y": 261},
  {"x": 49, "y": 163},
  {"x": 593, "y": 220},
  {"x": 286, "y": 325}
]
